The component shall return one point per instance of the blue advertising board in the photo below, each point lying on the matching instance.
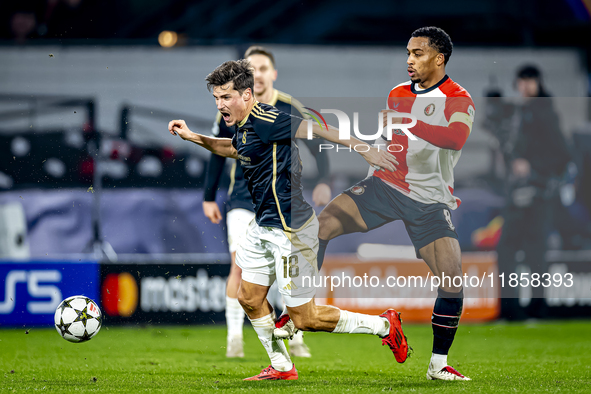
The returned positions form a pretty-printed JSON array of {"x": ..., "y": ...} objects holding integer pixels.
[{"x": 31, "y": 291}]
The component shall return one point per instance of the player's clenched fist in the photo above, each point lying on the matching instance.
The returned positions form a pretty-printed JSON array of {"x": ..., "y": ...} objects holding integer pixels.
[{"x": 180, "y": 128}]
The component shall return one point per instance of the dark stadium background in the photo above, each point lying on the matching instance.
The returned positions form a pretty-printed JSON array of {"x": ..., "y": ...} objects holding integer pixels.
[{"x": 87, "y": 84}]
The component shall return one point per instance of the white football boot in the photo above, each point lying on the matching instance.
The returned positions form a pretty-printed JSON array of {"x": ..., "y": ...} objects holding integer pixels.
[
  {"x": 297, "y": 347},
  {"x": 445, "y": 373}
]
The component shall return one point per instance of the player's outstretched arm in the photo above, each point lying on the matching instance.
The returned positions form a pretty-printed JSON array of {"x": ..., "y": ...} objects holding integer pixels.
[
  {"x": 219, "y": 146},
  {"x": 376, "y": 157}
]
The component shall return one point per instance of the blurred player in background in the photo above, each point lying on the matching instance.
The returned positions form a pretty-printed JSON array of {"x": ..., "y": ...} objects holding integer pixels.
[
  {"x": 420, "y": 191},
  {"x": 536, "y": 155},
  {"x": 281, "y": 244},
  {"x": 239, "y": 208}
]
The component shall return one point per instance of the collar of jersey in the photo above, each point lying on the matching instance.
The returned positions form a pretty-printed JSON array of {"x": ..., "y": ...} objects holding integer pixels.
[
  {"x": 243, "y": 121},
  {"x": 438, "y": 84}
]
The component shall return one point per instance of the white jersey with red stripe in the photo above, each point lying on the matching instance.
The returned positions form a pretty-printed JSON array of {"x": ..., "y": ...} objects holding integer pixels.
[{"x": 425, "y": 171}]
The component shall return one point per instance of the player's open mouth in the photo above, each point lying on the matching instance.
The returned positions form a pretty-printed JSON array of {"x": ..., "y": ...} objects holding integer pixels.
[
  {"x": 225, "y": 116},
  {"x": 411, "y": 72}
]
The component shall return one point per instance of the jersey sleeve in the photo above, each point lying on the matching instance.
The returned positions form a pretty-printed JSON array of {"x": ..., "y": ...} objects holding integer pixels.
[
  {"x": 284, "y": 127},
  {"x": 234, "y": 142},
  {"x": 215, "y": 166},
  {"x": 215, "y": 169},
  {"x": 460, "y": 110}
]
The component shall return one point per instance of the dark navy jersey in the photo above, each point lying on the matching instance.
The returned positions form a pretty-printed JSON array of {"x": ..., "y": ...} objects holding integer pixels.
[
  {"x": 238, "y": 194},
  {"x": 272, "y": 167}
]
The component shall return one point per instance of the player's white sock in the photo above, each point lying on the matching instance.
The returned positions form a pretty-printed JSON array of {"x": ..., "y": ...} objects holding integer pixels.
[
  {"x": 234, "y": 317},
  {"x": 275, "y": 348},
  {"x": 438, "y": 361},
  {"x": 357, "y": 323}
]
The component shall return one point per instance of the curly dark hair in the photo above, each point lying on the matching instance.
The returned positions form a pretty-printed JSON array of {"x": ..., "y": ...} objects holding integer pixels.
[
  {"x": 238, "y": 71},
  {"x": 438, "y": 40}
]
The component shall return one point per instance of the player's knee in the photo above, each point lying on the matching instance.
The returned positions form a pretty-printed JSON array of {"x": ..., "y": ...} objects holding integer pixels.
[{"x": 329, "y": 225}]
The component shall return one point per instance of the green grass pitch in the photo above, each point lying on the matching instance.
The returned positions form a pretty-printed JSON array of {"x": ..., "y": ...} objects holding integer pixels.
[{"x": 499, "y": 357}]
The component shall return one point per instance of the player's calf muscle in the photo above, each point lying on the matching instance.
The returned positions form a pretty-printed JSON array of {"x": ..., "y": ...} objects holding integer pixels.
[
  {"x": 253, "y": 300},
  {"x": 312, "y": 317}
]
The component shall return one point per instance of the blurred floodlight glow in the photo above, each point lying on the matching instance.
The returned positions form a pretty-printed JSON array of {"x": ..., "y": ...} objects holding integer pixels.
[{"x": 167, "y": 38}]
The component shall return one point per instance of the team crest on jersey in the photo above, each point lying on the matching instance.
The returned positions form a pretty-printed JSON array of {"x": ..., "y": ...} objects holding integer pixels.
[
  {"x": 430, "y": 109},
  {"x": 358, "y": 190}
]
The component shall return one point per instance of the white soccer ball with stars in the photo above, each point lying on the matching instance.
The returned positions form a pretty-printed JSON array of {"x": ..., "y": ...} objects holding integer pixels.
[{"x": 78, "y": 319}]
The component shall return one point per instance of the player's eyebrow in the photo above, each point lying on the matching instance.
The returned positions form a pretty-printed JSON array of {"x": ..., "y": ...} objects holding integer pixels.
[{"x": 222, "y": 95}]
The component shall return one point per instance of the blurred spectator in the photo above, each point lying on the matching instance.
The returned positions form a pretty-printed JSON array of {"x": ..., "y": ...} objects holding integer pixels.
[
  {"x": 536, "y": 156},
  {"x": 23, "y": 25},
  {"x": 21, "y": 19}
]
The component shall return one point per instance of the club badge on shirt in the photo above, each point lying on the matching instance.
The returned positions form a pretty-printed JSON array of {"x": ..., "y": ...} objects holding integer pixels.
[
  {"x": 430, "y": 109},
  {"x": 358, "y": 190}
]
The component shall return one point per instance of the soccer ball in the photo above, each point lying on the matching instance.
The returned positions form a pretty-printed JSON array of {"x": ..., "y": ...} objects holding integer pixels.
[{"x": 78, "y": 319}]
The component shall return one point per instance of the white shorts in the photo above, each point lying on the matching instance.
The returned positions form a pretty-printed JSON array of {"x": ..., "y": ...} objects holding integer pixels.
[
  {"x": 237, "y": 221},
  {"x": 268, "y": 254}
]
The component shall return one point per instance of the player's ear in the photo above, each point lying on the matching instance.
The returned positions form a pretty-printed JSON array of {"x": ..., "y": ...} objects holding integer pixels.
[
  {"x": 440, "y": 59},
  {"x": 247, "y": 94},
  {"x": 274, "y": 75}
]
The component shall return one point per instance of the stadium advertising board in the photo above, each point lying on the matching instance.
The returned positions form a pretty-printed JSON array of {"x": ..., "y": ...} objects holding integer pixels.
[
  {"x": 30, "y": 291},
  {"x": 163, "y": 293},
  {"x": 406, "y": 285}
]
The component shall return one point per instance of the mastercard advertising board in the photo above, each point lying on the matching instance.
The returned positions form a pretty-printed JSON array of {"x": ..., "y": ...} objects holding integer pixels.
[{"x": 163, "y": 293}]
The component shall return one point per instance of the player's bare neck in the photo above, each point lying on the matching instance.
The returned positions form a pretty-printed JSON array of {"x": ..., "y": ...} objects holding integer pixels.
[{"x": 433, "y": 79}]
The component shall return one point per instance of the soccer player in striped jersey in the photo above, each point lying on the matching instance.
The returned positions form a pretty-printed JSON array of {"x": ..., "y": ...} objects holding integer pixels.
[
  {"x": 281, "y": 244},
  {"x": 420, "y": 191},
  {"x": 239, "y": 207}
]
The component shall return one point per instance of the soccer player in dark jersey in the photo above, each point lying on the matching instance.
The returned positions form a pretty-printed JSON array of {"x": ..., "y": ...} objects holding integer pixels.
[
  {"x": 239, "y": 208},
  {"x": 420, "y": 192},
  {"x": 282, "y": 242}
]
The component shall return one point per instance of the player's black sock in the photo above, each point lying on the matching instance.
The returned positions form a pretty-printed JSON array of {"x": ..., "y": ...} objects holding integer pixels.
[
  {"x": 445, "y": 319},
  {"x": 321, "y": 250}
]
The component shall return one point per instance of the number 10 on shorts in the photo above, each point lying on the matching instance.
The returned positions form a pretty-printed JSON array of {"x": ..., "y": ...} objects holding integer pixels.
[{"x": 293, "y": 268}]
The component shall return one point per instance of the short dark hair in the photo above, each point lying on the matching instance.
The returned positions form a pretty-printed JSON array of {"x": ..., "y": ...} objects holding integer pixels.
[
  {"x": 438, "y": 40},
  {"x": 259, "y": 50},
  {"x": 238, "y": 71},
  {"x": 529, "y": 71}
]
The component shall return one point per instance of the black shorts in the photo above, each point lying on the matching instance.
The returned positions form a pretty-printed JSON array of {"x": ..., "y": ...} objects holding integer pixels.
[{"x": 380, "y": 204}]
